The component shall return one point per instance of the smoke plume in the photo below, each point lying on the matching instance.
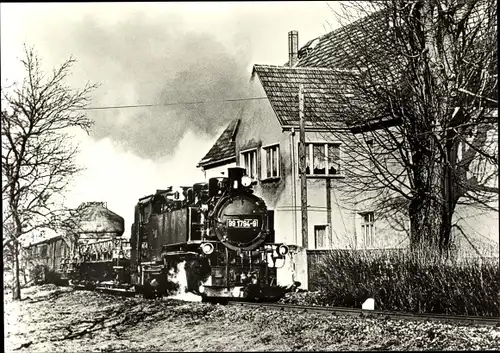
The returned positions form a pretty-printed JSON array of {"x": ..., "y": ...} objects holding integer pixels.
[{"x": 158, "y": 60}]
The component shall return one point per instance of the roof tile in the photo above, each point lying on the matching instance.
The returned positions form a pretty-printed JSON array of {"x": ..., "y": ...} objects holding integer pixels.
[
  {"x": 224, "y": 147},
  {"x": 321, "y": 89}
]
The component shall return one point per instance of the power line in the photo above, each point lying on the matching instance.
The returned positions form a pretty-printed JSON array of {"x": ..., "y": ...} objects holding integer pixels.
[
  {"x": 228, "y": 100},
  {"x": 172, "y": 103}
]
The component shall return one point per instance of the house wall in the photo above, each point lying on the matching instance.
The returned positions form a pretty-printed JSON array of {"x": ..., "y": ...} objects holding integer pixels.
[
  {"x": 220, "y": 171},
  {"x": 259, "y": 127},
  {"x": 480, "y": 237},
  {"x": 345, "y": 223}
]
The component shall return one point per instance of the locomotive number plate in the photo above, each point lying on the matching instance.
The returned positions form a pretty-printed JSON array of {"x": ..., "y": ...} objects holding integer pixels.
[{"x": 243, "y": 223}]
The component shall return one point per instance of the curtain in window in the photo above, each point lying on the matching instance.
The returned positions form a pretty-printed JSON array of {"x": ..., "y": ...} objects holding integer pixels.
[
  {"x": 308, "y": 159},
  {"x": 246, "y": 162},
  {"x": 333, "y": 159},
  {"x": 268, "y": 162},
  {"x": 320, "y": 237},
  {"x": 253, "y": 162},
  {"x": 319, "y": 159},
  {"x": 274, "y": 161},
  {"x": 368, "y": 228},
  {"x": 250, "y": 161}
]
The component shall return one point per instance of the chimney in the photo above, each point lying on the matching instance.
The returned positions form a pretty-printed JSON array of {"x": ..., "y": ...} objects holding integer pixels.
[{"x": 293, "y": 48}]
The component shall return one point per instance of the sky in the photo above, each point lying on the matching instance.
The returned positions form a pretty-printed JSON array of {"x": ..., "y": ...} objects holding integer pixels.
[{"x": 154, "y": 53}]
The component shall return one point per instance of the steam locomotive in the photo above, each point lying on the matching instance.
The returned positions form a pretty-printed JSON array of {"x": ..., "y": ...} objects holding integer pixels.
[
  {"x": 218, "y": 235},
  {"x": 216, "y": 238}
]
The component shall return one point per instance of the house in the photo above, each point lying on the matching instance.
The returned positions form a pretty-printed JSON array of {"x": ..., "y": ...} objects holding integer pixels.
[
  {"x": 264, "y": 139},
  {"x": 266, "y": 143}
]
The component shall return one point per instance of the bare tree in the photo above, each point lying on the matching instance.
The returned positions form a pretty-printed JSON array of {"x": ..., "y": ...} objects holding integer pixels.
[
  {"x": 422, "y": 103},
  {"x": 38, "y": 157}
]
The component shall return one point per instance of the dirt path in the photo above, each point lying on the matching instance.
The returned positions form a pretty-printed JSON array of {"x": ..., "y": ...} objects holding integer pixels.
[{"x": 56, "y": 320}]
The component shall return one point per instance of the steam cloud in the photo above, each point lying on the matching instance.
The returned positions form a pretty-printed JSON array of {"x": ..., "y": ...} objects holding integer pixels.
[{"x": 143, "y": 60}]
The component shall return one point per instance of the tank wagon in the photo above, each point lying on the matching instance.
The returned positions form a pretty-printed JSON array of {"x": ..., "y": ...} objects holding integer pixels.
[
  {"x": 91, "y": 254},
  {"x": 99, "y": 257}
]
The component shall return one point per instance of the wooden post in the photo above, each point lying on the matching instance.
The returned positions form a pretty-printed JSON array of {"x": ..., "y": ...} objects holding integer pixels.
[
  {"x": 302, "y": 161},
  {"x": 294, "y": 186}
]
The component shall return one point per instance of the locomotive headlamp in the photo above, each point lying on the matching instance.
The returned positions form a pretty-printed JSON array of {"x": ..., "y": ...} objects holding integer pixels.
[
  {"x": 246, "y": 181},
  {"x": 283, "y": 250},
  {"x": 207, "y": 248}
]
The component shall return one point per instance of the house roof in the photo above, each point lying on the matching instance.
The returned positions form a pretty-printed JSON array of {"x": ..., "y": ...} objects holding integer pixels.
[
  {"x": 344, "y": 47},
  {"x": 48, "y": 238},
  {"x": 321, "y": 90},
  {"x": 320, "y": 70},
  {"x": 224, "y": 147}
]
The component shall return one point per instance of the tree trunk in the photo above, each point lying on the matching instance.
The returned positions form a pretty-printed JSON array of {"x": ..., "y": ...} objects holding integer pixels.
[
  {"x": 16, "y": 290},
  {"x": 426, "y": 207},
  {"x": 431, "y": 222},
  {"x": 449, "y": 200},
  {"x": 425, "y": 223}
]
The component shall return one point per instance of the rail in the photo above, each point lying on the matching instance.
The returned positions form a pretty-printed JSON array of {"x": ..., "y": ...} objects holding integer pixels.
[
  {"x": 472, "y": 320},
  {"x": 341, "y": 311}
]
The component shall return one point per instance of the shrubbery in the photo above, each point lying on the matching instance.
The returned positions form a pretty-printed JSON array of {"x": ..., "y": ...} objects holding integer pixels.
[
  {"x": 399, "y": 282},
  {"x": 42, "y": 274}
]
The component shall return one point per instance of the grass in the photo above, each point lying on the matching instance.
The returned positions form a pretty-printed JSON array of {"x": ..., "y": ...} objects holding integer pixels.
[{"x": 399, "y": 282}]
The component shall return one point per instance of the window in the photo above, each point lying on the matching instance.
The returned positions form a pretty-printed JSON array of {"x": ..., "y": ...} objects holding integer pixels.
[
  {"x": 323, "y": 159},
  {"x": 43, "y": 250},
  {"x": 333, "y": 159},
  {"x": 249, "y": 159},
  {"x": 367, "y": 228},
  {"x": 320, "y": 237},
  {"x": 272, "y": 158}
]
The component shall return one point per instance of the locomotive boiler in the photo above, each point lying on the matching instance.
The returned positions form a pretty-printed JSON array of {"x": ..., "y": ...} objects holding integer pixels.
[{"x": 218, "y": 235}]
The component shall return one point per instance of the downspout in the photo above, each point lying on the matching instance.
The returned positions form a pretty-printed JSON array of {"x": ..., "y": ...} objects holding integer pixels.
[
  {"x": 329, "y": 210},
  {"x": 294, "y": 180}
]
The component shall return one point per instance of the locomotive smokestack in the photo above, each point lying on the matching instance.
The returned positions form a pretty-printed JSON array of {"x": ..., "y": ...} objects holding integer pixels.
[
  {"x": 293, "y": 48},
  {"x": 234, "y": 175}
]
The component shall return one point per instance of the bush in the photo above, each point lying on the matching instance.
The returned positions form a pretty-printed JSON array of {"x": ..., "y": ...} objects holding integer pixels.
[
  {"x": 42, "y": 274},
  {"x": 400, "y": 282}
]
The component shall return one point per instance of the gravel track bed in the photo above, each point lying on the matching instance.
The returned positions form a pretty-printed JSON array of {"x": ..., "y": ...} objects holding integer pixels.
[{"x": 54, "y": 319}]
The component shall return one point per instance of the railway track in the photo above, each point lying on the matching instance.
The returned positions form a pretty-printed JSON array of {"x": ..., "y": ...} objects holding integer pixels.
[
  {"x": 472, "y": 320},
  {"x": 114, "y": 291}
]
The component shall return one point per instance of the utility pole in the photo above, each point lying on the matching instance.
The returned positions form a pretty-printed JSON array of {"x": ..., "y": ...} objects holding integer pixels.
[{"x": 302, "y": 163}]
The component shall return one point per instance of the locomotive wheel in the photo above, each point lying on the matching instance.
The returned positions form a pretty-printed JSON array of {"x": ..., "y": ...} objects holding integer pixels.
[
  {"x": 148, "y": 292},
  {"x": 90, "y": 286}
]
